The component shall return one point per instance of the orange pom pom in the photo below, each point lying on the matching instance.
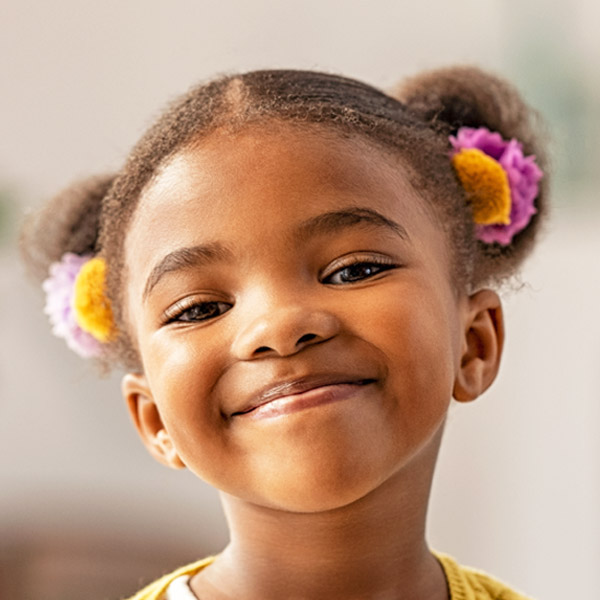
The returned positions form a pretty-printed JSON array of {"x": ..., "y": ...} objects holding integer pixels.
[
  {"x": 486, "y": 184},
  {"x": 92, "y": 309}
]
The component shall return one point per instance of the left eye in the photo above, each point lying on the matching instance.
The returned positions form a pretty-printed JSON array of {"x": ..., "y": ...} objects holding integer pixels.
[
  {"x": 357, "y": 272},
  {"x": 190, "y": 311}
]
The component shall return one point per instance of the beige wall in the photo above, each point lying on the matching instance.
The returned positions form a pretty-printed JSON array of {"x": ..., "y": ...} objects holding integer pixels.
[{"x": 518, "y": 485}]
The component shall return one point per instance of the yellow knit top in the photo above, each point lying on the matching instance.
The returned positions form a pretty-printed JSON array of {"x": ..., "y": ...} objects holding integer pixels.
[{"x": 464, "y": 583}]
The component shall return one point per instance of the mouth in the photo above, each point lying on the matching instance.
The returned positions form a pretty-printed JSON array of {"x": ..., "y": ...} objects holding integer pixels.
[{"x": 291, "y": 396}]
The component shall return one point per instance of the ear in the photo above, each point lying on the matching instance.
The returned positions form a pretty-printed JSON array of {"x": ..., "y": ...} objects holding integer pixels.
[
  {"x": 147, "y": 420},
  {"x": 483, "y": 339}
]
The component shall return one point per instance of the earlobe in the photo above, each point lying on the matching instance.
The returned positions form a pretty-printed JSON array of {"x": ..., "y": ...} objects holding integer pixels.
[
  {"x": 147, "y": 420},
  {"x": 483, "y": 339}
]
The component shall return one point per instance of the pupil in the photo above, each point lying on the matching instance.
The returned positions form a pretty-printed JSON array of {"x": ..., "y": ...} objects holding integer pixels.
[
  {"x": 358, "y": 271},
  {"x": 200, "y": 312}
]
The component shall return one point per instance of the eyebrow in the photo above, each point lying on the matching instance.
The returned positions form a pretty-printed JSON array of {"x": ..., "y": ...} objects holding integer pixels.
[
  {"x": 329, "y": 222},
  {"x": 185, "y": 258},
  {"x": 333, "y": 221}
]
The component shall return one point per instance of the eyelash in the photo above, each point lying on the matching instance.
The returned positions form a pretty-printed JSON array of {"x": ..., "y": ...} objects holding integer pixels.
[
  {"x": 177, "y": 312},
  {"x": 381, "y": 263}
]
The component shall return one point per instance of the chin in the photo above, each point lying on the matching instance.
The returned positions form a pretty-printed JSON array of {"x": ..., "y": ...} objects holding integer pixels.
[{"x": 320, "y": 491}]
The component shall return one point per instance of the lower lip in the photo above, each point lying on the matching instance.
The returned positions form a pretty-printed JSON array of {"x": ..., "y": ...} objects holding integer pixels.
[{"x": 320, "y": 396}]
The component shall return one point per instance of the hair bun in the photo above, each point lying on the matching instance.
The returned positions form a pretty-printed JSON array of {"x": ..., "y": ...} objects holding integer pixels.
[
  {"x": 67, "y": 223},
  {"x": 455, "y": 97},
  {"x": 462, "y": 96}
]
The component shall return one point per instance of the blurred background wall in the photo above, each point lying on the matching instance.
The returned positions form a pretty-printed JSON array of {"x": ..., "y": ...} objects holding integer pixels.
[{"x": 84, "y": 512}]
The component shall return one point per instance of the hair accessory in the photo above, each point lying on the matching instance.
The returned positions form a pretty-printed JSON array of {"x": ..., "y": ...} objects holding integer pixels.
[
  {"x": 501, "y": 183},
  {"x": 75, "y": 302}
]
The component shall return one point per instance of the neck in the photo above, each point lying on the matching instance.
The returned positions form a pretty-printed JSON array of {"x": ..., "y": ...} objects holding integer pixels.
[{"x": 372, "y": 548}]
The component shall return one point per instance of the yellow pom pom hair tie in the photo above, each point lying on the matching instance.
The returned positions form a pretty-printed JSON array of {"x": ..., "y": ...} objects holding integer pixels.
[
  {"x": 500, "y": 182},
  {"x": 91, "y": 307},
  {"x": 486, "y": 184},
  {"x": 77, "y": 305}
]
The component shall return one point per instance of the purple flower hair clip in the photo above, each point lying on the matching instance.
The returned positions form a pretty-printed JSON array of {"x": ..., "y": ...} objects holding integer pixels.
[
  {"x": 501, "y": 183},
  {"x": 59, "y": 288}
]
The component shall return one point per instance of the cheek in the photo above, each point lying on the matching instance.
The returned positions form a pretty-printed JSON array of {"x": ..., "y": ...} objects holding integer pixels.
[
  {"x": 175, "y": 363},
  {"x": 181, "y": 374},
  {"x": 416, "y": 333}
]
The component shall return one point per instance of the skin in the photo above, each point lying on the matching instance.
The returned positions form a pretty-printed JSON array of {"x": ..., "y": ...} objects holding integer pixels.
[{"x": 325, "y": 491}]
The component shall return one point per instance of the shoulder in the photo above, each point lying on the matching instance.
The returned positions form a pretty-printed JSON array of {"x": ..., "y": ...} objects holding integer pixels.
[
  {"x": 466, "y": 583},
  {"x": 157, "y": 589}
]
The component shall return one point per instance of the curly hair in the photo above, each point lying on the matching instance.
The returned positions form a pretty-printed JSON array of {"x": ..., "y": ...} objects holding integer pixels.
[{"x": 413, "y": 122}]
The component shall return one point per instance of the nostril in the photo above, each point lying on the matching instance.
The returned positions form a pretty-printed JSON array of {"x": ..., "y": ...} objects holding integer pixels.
[{"x": 307, "y": 337}]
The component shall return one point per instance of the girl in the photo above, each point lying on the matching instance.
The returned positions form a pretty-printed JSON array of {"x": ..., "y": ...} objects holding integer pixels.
[{"x": 295, "y": 270}]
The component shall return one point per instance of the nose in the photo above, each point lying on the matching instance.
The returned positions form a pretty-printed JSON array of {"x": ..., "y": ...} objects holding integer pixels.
[{"x": 284, "y": 330}]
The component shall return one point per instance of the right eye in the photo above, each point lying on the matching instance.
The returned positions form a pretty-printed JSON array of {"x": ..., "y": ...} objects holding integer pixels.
[{"x": 194, "y": 311}]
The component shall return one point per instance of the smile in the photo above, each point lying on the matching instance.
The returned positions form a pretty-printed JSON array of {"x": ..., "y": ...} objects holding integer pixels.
[{"x": 299, "y": 395}]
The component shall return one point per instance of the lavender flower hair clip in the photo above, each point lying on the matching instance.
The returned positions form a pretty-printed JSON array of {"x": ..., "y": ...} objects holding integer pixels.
[
  {"x": 76, "y": 305},
  {"x": 501, "y": 183}
]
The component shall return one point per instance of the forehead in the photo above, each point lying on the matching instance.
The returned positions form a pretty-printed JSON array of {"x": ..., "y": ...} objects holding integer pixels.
[
  {"x": 254, "y": 186},
  {"x": 259, "y": 160},
  {"x": 281, "y": 165}
]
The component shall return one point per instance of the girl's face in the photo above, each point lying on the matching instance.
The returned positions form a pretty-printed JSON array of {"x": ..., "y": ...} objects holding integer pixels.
[{"x": 291, "y": 300}]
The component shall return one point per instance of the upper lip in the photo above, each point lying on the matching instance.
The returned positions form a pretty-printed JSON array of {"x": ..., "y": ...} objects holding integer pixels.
[{"x": 297, "y": 385}]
